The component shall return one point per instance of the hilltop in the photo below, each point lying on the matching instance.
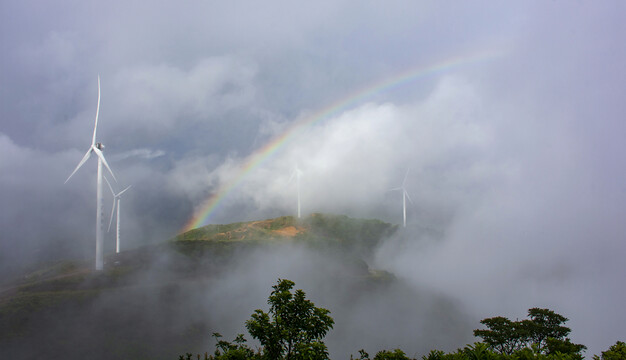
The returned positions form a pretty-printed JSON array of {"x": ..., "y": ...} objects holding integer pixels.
[{"x": 317, "y": 229}]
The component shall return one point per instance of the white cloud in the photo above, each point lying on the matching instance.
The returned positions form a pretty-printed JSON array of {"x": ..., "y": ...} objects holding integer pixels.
[
  {"x": 163, "y": 97},
  {"x": 146, "y": 154},
  {"x": 350, "y": 161}
]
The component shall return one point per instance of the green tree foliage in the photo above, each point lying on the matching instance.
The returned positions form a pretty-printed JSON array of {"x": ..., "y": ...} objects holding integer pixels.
[
  {"x": 434, "y": 355},
  {"x": 558, "y": 346},
  {"x": 363, "y": 355},
  {"x": 293, "y": 328},
  {"x": 543, "y": 331},
  {"x": 478, "y": 351},
  {"x": 544, "y": 324},
  {"x": 396, "y": 354},
  {"x": 237, "y": 350},
  {"x": 615, "y": 352},
  {"x": 224, "y": 350},
  {"x": 482, "y": 351},
  {"x": 503, "y": 335}
]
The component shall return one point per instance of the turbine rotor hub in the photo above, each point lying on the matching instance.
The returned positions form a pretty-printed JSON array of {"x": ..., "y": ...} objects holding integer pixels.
[{"x": 100, "y": 146}]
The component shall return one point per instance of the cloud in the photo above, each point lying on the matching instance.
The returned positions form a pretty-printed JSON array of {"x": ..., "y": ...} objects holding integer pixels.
[
  {"x": 354, "y": 158},
  {"x": 32, "y": 190},
  {"x": 516, "y": 167},
  {"x": 146, "y": 154},
  {"x": 160, "y": 97}
]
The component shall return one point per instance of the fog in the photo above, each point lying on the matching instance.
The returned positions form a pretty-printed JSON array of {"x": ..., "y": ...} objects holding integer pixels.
[{"x": 515, "y": 160}]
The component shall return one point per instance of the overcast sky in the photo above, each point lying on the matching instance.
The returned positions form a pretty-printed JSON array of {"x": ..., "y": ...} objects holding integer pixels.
[{"x": 517, "y": 171}]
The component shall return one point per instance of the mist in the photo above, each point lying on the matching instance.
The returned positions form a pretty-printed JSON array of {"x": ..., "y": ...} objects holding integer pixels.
[
  {"x": 515, "y": 163},
  {"x": 158, "y": 314}
]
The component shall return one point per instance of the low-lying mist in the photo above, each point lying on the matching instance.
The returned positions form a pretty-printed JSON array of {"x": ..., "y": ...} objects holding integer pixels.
[
  {"x": 370, "y": 315},
  {"x": 174, "y": 302}
]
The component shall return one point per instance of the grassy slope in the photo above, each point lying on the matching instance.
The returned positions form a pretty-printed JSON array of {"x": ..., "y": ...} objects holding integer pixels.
[{"x": 331, "y": 230}]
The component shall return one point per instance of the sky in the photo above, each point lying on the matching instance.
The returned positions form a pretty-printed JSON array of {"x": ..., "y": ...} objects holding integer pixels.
[{"x": 509, "y": 117}]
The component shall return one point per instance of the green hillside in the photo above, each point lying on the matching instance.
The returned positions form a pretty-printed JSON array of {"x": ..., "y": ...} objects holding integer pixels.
[
  {"x": 317, "y": 230},
  {"x": 320, "y": 226}
]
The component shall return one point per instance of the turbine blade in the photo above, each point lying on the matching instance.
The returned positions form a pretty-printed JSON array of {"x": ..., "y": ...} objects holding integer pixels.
[
  {"x": 293, "y": 174},
  {"x": 93, "y": 139},
  {"x": 123, "y": 191},
  {"x": 85, "y": 158},
  {"x": 407, "y": 196},
  {"x": 405, "y": 176},
  {"x": 104, "y": 161},
  {"x": 110, "y": 187},
  {"x": 112, "y": 211},
  {"x": 394, "y": 189}
]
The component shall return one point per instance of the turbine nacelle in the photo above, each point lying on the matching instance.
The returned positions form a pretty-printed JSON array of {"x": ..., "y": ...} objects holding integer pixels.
[{"x": 97, "y": 149}]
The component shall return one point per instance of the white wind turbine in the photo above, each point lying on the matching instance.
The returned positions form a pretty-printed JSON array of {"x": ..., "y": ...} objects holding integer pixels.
[
  {"x": 297, "y": 173},
  {"x": 405, "y": 195},
  {"x": 117, "y": 198},
  {"x": 97, "y": 149}
]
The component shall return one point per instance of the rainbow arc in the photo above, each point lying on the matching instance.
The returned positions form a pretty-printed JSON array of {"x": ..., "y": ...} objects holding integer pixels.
[{"x": 204, "y": 213}]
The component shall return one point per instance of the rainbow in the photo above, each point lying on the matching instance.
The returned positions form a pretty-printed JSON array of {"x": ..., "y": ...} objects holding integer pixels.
[{"x": 203, "y": 215}]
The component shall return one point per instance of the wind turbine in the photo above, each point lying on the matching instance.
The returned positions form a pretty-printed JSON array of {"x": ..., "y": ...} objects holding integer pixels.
[
  {"x": 297, "y": 173},
  {"x": 405, "y": 195},
  {"x": 97, "y": 149},
  {"x": 117, "y": 198}
]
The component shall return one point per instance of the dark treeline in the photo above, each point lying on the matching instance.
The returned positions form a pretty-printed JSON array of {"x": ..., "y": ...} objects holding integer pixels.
[{"x": 294, "y": 329}]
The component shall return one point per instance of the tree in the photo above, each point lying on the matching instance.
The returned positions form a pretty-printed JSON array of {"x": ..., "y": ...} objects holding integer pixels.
[
  {"x": 478, "y": 351},
  {"x": 396, "y": 354},
  {"x": 544, "y": 324},
  {"x": 558, "y": 346},
  {"x": 502, "y": 335},
  {"x": 434, "y": 355},
  {"x": 237, "y": 350},
  {"x": 293, "y": 328},
  {"x": 543, "y": 330},
  {"x": 615, "y": 352}
]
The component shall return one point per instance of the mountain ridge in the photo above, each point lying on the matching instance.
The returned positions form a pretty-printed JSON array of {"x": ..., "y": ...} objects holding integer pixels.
[
  {"x": 315, "y": 227},
  {"x": 174, "y": 276}
]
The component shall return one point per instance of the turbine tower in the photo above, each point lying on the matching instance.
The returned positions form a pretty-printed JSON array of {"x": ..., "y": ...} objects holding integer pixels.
[
  {"x": 117, "y": 198},
  {"x": 297, "y": 173},
  {"x": 405, "y": 195},
  {"x": 97, "y": 149}
]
